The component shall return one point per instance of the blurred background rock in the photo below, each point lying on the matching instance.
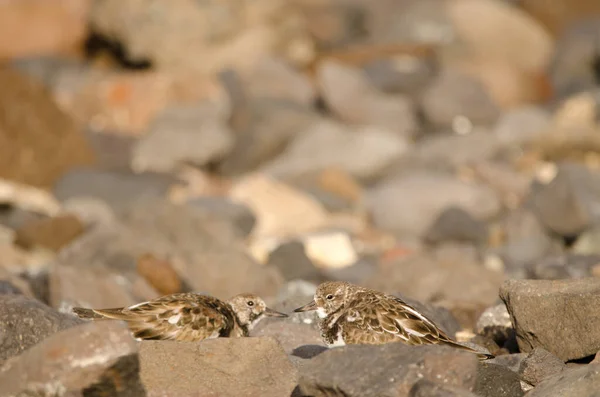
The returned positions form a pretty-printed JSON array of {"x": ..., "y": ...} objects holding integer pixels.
[{"x": 428, "y": 148}]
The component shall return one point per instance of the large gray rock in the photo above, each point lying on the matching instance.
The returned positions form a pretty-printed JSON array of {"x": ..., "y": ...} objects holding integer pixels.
[
  {"x": 426, "y": 388},
  {"x": 495, "y": 380},
  {"x": 26, "y": 322},
  {"x": 581, "y": 382},
  {"x": 385, "y": 370},
  {"x": 539, "y": 365},
  {"x": 217, "y": 367},
  {"x": 95, "y": 359},
  {"x": 561, "y": 316}
]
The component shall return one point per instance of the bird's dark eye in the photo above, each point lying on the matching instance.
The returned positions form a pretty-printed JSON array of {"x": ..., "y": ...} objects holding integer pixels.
[
  {"x": 329, "y": 297},
  {"x": 250, "y": 303}
]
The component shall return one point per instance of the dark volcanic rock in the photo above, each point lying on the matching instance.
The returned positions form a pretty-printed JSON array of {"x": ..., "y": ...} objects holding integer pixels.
[
  {"x": 385, "y": 370},
  {"x": 456, "y": 224},
  {"x": 94, "y": 359},
  {"x": 581, "y": 382},
  {"x": 217, "y": 367},
  {"x": 539, "y": 365},
  {"x": 495, "y": 380},
  {"x": 561, "y": 316},
  {"x": 25, "y": 322},
  {"x": 293, "y": 263}
]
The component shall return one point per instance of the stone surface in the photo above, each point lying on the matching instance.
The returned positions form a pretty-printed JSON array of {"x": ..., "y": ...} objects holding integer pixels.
[
  {"x": 349, "y": 94},
  {"x": 456, "y": 224},
  {"x": 569, "y": 204},
  {"x": 223, "y": 367},
  {"x": 408, "y": 205},
  {"x": 180, "y": 135},
  {"x": 32, "y": 126},
  {"x": 495, "y": 323},
  {"x": 26, "y": 322},
  {"x": 236, "y": 213},
  {"x": 495, "y": 380},
  {"x": 52, "y": 233},
  {"x": 293, "y": 263},
  {"x": 292, "y": 336},
  {"x": 389, "y": 370},
  {"x": 362, "y": 151},
  {"x": 581, "y": 382},
  {"x": 426, "y": 388},
  {"x": 42, "y": 27},
  {"x": 89, "y": 359},
  {"x": 540, "y": 365},
  {"x": 558, "y": 316}
]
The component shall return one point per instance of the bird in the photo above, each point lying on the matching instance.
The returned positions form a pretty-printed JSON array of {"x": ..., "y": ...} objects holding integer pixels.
[
  {"x": 350, "y": 314},
  {"x": 188, "y": 316}
]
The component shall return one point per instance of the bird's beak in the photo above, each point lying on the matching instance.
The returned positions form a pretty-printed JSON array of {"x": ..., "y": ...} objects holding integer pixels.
[
  {"x": 306, "y": 308},
  {"x": 273, "y": 313}
]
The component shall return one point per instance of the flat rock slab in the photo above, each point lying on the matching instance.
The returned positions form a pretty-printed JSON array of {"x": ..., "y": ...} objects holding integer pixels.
[
  {"x": 252, "y": 367},
  {"x": 580, "y": 382},
  {"x": 93, "y": 359},
  {"x": 388, "y": 370},
  {"x": 559, "y": 315},
  {"x": 25, "y": 322}
]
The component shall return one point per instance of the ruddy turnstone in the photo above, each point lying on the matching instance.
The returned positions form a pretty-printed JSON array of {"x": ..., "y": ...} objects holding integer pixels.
[
  {"x": 351, "y": 314},
  {"x": 188, "y": 316}
]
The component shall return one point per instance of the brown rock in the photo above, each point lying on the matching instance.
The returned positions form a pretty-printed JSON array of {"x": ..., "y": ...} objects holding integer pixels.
[
  {"x": 90, "y": 359},
  {"x": 539, "y": 365},
  {"x": 52, "y": 233},
  {"x": 253, "y": 367},
  {"x": 38, "y": 142},
  {"x": 42, "y": 27},
  {"x": 159, "y": 273}
]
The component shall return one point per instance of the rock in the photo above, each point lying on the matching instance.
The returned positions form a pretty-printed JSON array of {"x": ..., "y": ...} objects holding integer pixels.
[
  {"x": 451, "y": 277},
  {"x": 558, "y": 267},
  {"x": 223, "y": 38},
  {"x": 111, "y": 148},
  {"x": 58, "y": 142},
  {"x": 522, "y": 125},
  {"x": 92, "y": 286},
  {"x": 495, "y": 380},
  {"x": 567, "y": 205},
  {"x": 41, "y": 27},
  {"x": 572, "y": 69},
  {"x": 540, "y": 365},
  {"x": 581, "y": 382},
  {"x": 456, "y": 224},
  {"x": 426, "y": 388},
  {"x": 408, "y": 205},
  {"x": 91, "y": 359},
  {"x": 398, "y": 75},
  {"x": 511, "y": 361},
  {"x": 529, "y": 47},
  {"x": 52, "y": 233},
  {"x": 525, "y": 239},
  {"x": 26, "y": 322},
  {"x": 353, "y": 99},
  {"x": 495, "y": 323},
  {"x": 293, "y": 295},
  {"x": 292, "y": 336},
  {"x": 160, "y": 274},
  {"x": 262, "y": 127},
  {"x": 293, "y": 263},
  {"x": 180, "y": 135},
  {"x": 274, "y": 78},
  {"x": 280, "y": 209},
  {"x": 90, "y": 211},
  {"x": 554, "y": 315},
  {"x": 331, "y": 249},
  {"x": 363, "y": 151},
  {"x": 222, "y": 366},
  {"x": 454, "y": 94},
  {"x": 238, "y": 214},
  {"x": 389, "y": 370},
  {"x": 119, "y": 189},
  {"x": 206, "y": 251}
]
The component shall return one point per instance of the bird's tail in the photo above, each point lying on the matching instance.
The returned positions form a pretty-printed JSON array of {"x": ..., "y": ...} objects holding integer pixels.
[
  {"x": 481, "y": 353},
  {"x": 86, "y": 313},
  {"x": 97, "y": 314}
]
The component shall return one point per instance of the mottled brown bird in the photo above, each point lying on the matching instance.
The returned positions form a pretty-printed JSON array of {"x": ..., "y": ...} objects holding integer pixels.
[
  {"x": 188, "y": 316},
  {"x": 351, "y": 314}
]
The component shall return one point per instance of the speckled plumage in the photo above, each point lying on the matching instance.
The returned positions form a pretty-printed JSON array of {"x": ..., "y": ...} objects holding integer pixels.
[
  {"x": 188, "y": 316},
  {"x": 351, "y": 314}
]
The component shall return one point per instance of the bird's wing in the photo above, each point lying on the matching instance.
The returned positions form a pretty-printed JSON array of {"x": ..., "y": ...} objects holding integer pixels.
[
  {"x": 391, "y": 319},
  {"x": 184, "y": 317}
]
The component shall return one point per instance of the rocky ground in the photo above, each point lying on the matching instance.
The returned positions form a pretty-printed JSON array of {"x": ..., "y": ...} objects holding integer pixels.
[{"x": 447, "y": 151}]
